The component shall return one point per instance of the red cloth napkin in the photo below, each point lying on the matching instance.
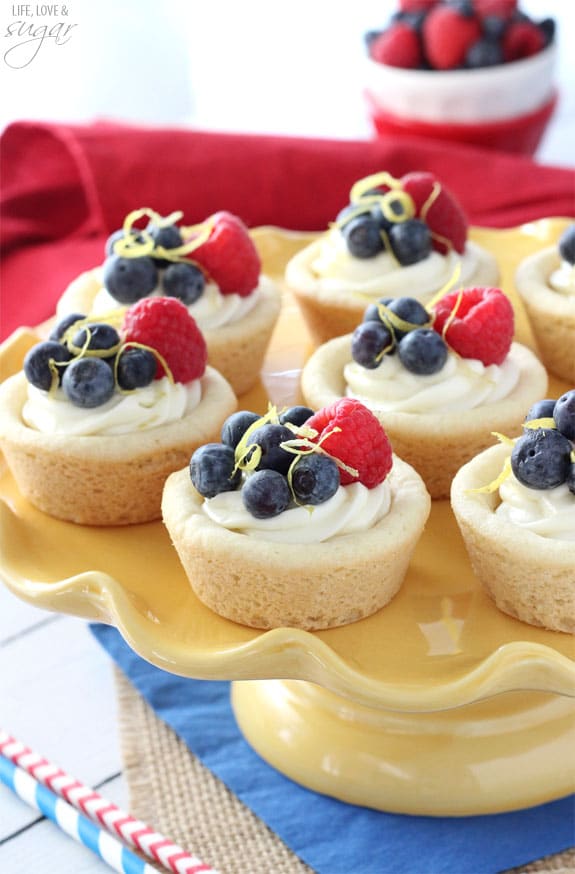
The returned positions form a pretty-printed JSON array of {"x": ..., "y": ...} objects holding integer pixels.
[{"x": 66, "y": 187}]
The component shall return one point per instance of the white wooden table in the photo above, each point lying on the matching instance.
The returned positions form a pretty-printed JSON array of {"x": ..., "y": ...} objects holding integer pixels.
[{"x": 56, "y": 696}]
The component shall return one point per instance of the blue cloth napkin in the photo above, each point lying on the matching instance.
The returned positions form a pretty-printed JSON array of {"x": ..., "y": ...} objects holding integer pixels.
[{"x": 330, "y": 836}]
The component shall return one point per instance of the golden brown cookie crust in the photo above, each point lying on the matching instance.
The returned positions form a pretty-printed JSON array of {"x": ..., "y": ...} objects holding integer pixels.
[
  {"x": 551, "y": 314},
  {"x": 528, "y": 576},
  {"x": 105, "y": 480},
  {"x": 269, "y": 585}
]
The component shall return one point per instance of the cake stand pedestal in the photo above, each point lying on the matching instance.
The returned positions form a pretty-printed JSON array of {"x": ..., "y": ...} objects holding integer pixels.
[{"x": 503, "y": 754}]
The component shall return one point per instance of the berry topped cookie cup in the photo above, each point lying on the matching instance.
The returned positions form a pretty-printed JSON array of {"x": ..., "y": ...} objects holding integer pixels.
[
  {"x": 515, "y": 506},
  {"x": 296, "y": 518},
  {"x": 213, "y": 268},
  {"x": 106, "y": 408},
  {"x": 439, "y": 379},
  {"x": 395, "y": 237},
  {"x": 545, "y": 282}
]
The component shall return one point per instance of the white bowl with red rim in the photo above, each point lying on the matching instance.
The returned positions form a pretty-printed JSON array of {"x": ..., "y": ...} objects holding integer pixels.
[{"x": 506, "y": 106}]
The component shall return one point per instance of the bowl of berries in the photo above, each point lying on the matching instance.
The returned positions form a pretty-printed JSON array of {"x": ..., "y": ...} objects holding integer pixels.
[{"x": 474, "y": 71}]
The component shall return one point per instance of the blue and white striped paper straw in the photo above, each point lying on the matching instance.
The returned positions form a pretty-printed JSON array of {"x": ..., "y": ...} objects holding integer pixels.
[{"x": 70, "y": 821}]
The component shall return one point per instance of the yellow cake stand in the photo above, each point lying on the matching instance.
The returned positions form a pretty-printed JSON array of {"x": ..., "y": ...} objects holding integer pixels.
[{"x": 439, "y": 704}]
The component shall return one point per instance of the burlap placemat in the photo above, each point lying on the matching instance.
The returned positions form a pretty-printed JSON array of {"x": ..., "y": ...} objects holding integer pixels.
[{"x": 173, "y": 792}]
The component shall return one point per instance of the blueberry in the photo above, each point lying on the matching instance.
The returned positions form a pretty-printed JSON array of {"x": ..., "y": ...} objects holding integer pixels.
[
  {"x": 409, "y": 310},
  {"x": 368, "y": 342},
  {"x": 268, "y": 438},
  {"x": 212, "y": 470},
  {"x": 567, "y": 245},
  {"x": 547, "y": 27},
  {"x": 315, "y": 479},
  {"x": 184, "y": 281},
  {"x": 60, "y": 329},
  {"x": 296, "y": 415},
  {"x": 236, "y": 425},
  {"x": 99, "y": 336},
  {"x": 541, "y": 458},
  {"x": 88, "y": 382},
  {"x": 136, "y": 368},
  {"x": 395, "y": 209},
  {"x": 266, "y": 493},
  {"x": 484, "y": 53},
  {"x": 415, "y": 20},
  {"x": 168, "y": 237},
  {"x": 564, "y": 414},
  {"x": 422, "y": 351},
  {"x": 571, "y": 479},
  {"x": 371, "y": 313},
  {"x": 351, "y": 210},
  {"x": 463, "y": 7},
  {"x": 120, "y": 235},
  {"x": 37, "y": 363},
  {"x": 363, "y": 237},
  {"x": 410, "y": 241},
  {"x": 369, "y": 36},
  {"x": 493, "y": 26},
  {"x": 540, "y": 410},
  {"x": 129, "y": 279},
  {"x": 383, "y": 223}
]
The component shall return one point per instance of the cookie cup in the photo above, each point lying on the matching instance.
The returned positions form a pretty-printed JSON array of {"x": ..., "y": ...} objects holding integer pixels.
[
  {"x": 105, "y": 480},
  {"x": 529, "y": 577},
  {"x": 236, "y": 350},
  {"x": 330, "y": 312},
  {"x": 550, "y": 313},
  {"x": 268, "y": 585},
  {"x": 435, "y": 444}
]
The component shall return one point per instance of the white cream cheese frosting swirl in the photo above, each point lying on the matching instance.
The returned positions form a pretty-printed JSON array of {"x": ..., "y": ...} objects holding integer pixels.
[
  {"x": 547, "y": 512},
  {"x": 353, "y": 508},
  {"x": 461, "y": 384},
  {"x": 562, "y": 280},
  {"x": 211, "y": 310},
  {"x": 335, "y": 269},
  {"x": 159, "y": 403}
]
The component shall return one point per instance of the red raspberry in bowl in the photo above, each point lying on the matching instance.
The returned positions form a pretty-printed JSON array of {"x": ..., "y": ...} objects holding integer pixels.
[
  {"x": 521, "y": 40},
  {"x": 503, "y": 9},
  {"x": 448, "y": 35},
  {"x": 414, "y": 6},
  {"x": 164, "y": 324},
  {"x": 480, "y": 323},
  {"x": 357, "y": 439},
  {"x": 398, "y": 46}
]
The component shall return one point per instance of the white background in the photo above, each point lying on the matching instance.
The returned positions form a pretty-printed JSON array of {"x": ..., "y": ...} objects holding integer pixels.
[{"x": 254, "y": 65}]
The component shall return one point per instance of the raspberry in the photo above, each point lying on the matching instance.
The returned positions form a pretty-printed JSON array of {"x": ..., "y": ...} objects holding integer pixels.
[
  {"x": 521, "y": 40},
  {"x": 164, "y": 324},
  {"x": 498, "y": 8},
  {"x": 398, "y": 46},
  {"x": 444, "y": 218},
  {"x": 361, "y": 443},
  {"x": 483, "y": 325},
  {"x": 414, "y": 6},
  {"x": 448, "y": 35},
  {"x": 229, "y": 255}
]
